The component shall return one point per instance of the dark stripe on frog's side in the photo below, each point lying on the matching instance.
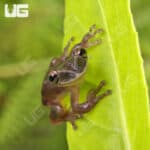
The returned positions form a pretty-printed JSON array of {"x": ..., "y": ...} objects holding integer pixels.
[
  {"x": 66, "y": 76},
  {"x": 69, "y": 78}
]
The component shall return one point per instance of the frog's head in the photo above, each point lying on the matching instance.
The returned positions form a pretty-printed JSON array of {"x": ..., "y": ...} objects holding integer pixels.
[{"x": 50, "y": 90}]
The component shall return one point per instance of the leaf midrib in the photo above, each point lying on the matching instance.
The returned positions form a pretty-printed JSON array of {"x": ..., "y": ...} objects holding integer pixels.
[{"x": 126, "y": 136}]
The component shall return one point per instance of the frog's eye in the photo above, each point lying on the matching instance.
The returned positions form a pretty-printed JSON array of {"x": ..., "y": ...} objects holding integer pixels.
[
  {"x": 53, "y": 76},
  {"x": 81, "y": 52}
]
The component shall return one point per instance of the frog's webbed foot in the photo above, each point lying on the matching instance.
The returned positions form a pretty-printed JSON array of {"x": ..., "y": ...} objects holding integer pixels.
[
  {"x": 92, "y": 99},
  {"x": 92, "y": 32}
]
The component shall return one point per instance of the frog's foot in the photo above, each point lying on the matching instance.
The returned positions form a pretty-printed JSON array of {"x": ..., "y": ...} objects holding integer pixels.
[
  {"x": 72, "y": 117},
  {"x": 92, "y": 99},
  {"x": 92, "y": 32}
]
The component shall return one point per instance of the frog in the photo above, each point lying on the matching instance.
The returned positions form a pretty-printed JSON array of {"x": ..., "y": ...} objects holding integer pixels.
[{"x": 65, "y": 75}]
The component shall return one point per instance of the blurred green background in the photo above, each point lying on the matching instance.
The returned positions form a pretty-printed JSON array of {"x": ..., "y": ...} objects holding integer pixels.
[{"x": 26, "y": 47}]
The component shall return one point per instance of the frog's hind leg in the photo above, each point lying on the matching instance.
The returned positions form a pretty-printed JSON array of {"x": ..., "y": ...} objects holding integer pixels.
[
  {"x": 92, "y": 99},
  {"x": 58, "y": 114},
  {"x": 92, "y": 32}
]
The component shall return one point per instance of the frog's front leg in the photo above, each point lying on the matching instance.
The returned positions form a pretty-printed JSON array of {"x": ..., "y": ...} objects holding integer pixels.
[
  {"x": 92, "y": 99},
  {"x": 62, "y": 58},
  {"x": 65, "y": 53},
  {"x": 92, "y": 32}
]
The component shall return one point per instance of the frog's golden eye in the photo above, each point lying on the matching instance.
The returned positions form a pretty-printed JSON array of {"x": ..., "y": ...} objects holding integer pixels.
[{"x": 53, "y": 76}]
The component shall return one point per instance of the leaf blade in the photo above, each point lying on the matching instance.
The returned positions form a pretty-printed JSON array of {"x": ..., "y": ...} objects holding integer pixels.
[{"x": 125, "y": 127}]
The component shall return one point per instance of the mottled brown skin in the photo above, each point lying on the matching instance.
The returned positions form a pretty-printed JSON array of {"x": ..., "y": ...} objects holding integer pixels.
[{"x": 64, "y": 76}]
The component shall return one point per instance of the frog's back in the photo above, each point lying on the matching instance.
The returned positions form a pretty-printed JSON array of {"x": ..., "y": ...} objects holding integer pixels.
[{"x": 73, "y": 69}]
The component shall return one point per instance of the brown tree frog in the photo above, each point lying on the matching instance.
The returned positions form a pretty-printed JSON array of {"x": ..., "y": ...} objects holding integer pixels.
[{"x": 64, "y": 76}]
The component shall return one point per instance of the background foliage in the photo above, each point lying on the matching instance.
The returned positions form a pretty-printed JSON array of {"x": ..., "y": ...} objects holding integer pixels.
[{"x": 26, "y": 46}]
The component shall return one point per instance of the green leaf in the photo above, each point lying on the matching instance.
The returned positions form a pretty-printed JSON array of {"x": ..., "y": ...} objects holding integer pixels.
[{"x": 120, "y": 121}]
